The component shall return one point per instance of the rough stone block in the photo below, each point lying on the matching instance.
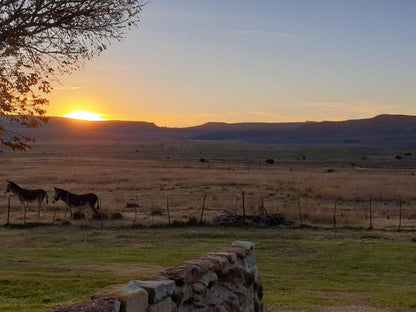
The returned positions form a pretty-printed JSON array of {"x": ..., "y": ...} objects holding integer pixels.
[
  {"x": 251, "y": 260},
  {"x": 199, "y": 288},
  {"x": 99, "y": 305},
  {"x": 184, "y": 294},
  {"x": 132, "y": 297},
  {"x": 219, "y": 262},
  {"x": 208, "y": 279},
  {"x": 166, "y": 305},
  {"x": 204, "y": 265},
  {"x": 238, "y": 250},
  {"x": 157, "y": 290},
  {"x": 236, "y": 275},
  {"x": 231, "y": 256},
  {"x": 183, "y": 274},
  {"x": 245, "y": 244},
  {"x": 218, "y": 308}
]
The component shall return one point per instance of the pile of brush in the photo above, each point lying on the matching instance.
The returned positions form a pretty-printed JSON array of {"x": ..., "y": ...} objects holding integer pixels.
[{"x": 266, "y": 220}]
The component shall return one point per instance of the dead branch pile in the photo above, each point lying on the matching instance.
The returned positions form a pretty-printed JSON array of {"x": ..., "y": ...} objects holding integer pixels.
[{"x": 262, "y": 219}]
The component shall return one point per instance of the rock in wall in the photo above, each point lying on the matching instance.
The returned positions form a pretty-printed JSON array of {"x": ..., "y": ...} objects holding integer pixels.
[{"x": 223, "y": 280}]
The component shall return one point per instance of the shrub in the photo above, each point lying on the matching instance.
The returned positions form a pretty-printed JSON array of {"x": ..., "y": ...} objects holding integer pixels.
[
  {"x": 156, "y": 212},
  {"x": 116, "y": 216},
  {"x": 78, "y": 215}
]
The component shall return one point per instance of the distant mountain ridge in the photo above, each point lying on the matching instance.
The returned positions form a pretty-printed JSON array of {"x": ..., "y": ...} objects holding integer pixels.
[
  {"x": 382, "y": 130},
  {"x": 395, "y": 131}
]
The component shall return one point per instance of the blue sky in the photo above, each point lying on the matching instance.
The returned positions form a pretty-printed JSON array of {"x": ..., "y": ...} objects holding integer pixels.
[{"x": 194, "y": 61}]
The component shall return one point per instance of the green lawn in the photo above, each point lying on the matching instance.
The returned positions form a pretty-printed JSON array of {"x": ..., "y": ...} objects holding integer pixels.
[{"x": 301, "y": 269}]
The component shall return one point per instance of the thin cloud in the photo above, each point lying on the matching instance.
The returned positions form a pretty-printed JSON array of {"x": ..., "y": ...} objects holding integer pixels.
[
  {"x": 67, "y": 88},
  {"x": 359, "y": 109},
  {"x": 264, "y": 114},
  {"x": 253, "y": 32}
]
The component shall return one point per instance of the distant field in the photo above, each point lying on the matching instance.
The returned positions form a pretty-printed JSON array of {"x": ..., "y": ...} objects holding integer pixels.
[{"x": 304, "y": 185}]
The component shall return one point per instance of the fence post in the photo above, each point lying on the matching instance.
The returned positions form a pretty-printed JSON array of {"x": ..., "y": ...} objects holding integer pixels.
[
  {"x": 24, "y": 218},
  {"x": 400, "y": 213},
  {"x": 167, "y": 208},
  {"x": 371, "y": 215},
  {"x": 203, "y": 207},
  {"x": 8, "y": 211},
  {"x": 101, "y": 213},
  {"x": 135, "y": 210},
  {"x": 300, "y": 212},
  {"x": 263, "y": 209},
  {"x": 67, "y": 206},
  {"x": 135, "y": 215},
  {"x": 335, "y": 215},
  {"x": 244, "y": 208}
]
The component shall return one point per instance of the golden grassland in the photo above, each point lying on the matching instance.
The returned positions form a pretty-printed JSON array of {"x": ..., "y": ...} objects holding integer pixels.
[{"x": 165, "y": 178}]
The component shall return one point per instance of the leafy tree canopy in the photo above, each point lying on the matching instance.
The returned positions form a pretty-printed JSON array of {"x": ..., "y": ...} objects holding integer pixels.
[{"x": 43, "y": 39}]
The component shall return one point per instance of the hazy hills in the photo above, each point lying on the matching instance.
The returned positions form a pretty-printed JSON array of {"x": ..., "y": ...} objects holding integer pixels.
[{"x": 384, "y": 131}]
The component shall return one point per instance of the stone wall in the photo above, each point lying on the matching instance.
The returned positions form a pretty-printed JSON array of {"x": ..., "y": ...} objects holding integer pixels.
[{"x": 223, "y": 280}]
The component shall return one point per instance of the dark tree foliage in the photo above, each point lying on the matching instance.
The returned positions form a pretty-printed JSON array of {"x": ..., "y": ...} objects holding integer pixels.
[{"x": 43, "y": 39}]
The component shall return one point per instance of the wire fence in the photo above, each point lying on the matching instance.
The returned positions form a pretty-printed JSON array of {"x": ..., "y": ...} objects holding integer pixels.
[{"x": 171, "y": 209}]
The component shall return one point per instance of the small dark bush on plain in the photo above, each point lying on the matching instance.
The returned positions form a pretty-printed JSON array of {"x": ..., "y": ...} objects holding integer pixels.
[
  {"x": 131, "y": 205},
  {"x": 116, "y": 216},
  {"x": 78, "y": 215},
  {"x": 100, "y": 216},
  {"x": 192, "y": 221},
  {"x": 156, "y": 212},
  {"x": 269, "y": 161}
]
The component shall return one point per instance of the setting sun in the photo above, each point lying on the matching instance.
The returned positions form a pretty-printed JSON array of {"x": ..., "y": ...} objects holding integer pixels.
[{"x": 85, "y": 115}]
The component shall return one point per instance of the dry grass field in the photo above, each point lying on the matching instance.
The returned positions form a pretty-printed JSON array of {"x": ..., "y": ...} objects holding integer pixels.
[{"x": 161, "y": 183}]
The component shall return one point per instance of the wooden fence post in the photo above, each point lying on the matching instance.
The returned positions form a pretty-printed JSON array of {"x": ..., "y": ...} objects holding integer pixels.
[
  {"x": 167, "y": 208},
  {"x": 203, "y": 207},
  {"x": 8, "y": 211},
  {"x": 400, "y": 213},
  {"x": 135, "y": 215},
  {"x": 263, "y": 209},
  {"x": 244, "y": 208},
  {"x": 67, "y": 206},
  {"x": 371, "y": 215},
  {"x": 101, "y": 214},
  {"x": 300, "y": 212}
]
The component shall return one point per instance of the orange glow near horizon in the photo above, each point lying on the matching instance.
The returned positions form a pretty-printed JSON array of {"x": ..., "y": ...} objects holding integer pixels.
[{"x": 85, "y": 115}]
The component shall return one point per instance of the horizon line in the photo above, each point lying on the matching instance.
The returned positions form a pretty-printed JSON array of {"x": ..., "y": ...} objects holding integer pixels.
[{"x": 221, "y": 122}]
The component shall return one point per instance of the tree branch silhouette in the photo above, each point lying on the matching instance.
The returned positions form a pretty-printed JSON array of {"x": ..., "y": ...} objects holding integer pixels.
[{"x": 40, "y": 40}]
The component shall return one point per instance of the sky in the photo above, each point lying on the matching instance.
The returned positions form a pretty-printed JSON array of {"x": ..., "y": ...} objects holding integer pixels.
[{"x": 195, "y": 61}]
